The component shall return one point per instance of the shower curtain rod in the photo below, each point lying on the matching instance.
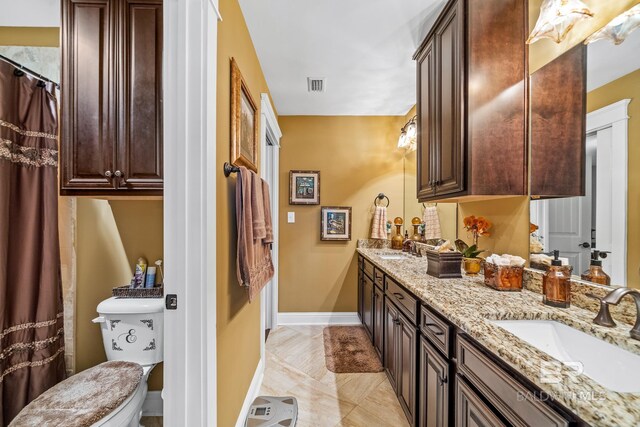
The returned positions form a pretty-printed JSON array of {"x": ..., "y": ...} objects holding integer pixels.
[{"x": 28, "y": 71}]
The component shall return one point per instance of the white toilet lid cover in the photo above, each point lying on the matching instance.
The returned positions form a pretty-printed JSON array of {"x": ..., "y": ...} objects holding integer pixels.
[{"x": 84, "y": 398}]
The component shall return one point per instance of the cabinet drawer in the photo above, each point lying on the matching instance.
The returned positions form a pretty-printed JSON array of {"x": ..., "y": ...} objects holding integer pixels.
[
  {"x": 367, "y": 267},
  {"x": 436, "y": 330},
  {"x": 378, "y": 278},
  {"x": 406, "y": 302},
  {"x": 502, "y": 390}
]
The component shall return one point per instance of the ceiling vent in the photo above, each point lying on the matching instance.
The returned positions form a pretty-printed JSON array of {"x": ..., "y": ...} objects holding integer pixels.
[{"x": 316, "y": 84}]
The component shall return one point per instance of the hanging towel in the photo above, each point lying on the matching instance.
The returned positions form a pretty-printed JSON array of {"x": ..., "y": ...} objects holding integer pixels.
[
  {"x": 254, "y": 266},
  {"x": 379, "y": 223},
  {"x": 432, "y": 223}
]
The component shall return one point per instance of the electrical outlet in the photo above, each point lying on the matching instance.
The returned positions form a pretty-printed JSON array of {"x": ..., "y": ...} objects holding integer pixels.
[{"x": 291, "y": 217}]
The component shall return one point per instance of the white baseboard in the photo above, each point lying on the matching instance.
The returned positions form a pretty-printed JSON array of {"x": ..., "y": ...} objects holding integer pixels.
[
  {"x": 152, "y": 406},
  {"x": 252, "y": 393},
  {"x": 328, "y": 318}
]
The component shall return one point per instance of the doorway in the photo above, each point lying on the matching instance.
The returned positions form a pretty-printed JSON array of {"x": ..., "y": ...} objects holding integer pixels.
[{"x": 270, "y": 170}]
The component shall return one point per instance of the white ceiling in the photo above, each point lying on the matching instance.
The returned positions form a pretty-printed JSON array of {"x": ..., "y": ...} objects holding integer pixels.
[
  {"x": 30, "y": 13},
  {"x": 607, "y": 62},
  {"x": 362, "y": 47}
]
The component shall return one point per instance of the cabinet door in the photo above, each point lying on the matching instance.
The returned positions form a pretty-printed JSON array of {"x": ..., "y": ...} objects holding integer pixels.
[
  {"x": 367, "y": 305},
  {"x": 471, "y": 411},
  {"x": 88, "y": 103},
  {"x": 407, "y": 367},
  {"x": 360, "y": 292},
  {"x": 139, "y": 163},
  {"x": 426, "y": 121},
  {"x": 378, "y": 320},
  {"x": 390, "y": 345},
  {"x": 449, "y": 144},
  {"x": 434, "y": 387}
]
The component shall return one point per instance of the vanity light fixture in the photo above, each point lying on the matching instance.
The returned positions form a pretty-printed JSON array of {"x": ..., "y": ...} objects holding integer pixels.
[
  {"x": 408, "y": 135},
  {"x": 619, "y": 28},
  {"x": 557, "y": 18}
]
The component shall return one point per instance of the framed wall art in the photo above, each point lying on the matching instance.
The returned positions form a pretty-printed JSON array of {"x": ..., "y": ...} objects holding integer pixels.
[
  {"x": 244, "y": 122},
  {"x": 304, "y": 187},
  {"x": 335, "y": 223}
]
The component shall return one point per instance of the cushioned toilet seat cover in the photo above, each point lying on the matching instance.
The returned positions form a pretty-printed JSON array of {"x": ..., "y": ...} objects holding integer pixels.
[{"x": 84, "y": 398}]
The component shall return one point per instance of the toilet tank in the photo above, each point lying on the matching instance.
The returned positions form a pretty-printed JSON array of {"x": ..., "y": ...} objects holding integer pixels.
[{"x": 132, "y": 329}]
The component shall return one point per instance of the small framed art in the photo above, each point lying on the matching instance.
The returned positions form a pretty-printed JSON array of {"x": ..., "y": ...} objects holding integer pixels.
[
  {"x": 335, "y": 223},
  {"x": 244, "y": 122},
  {"x": 304, "y": 187}
]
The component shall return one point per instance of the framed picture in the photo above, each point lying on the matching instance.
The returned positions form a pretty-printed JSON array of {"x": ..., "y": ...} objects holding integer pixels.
[
  {"x": 335, "y": 223},
  {"x": 244, "y": 122},
  {"x": 304, "y": 187}
]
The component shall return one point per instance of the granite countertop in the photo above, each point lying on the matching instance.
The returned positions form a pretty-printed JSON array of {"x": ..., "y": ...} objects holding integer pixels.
[{"x": 470, "y": 305}]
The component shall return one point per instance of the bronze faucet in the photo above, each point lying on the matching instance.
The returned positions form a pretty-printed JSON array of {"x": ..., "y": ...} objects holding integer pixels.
[{"x": 613, "y": 298}]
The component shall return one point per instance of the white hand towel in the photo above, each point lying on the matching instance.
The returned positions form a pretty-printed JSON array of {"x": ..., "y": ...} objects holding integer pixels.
[
  {"x": 432, "y": 223},
  {"x": 379, "y": 223}
]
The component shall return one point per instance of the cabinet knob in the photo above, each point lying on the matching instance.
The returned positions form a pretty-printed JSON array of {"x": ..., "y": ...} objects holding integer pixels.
[
  {"x": 119, "y": 174},
  {"x": 108, "y": 174},
  {"x": 443, "y": 380},
  {"x": 396, "y": 321}
]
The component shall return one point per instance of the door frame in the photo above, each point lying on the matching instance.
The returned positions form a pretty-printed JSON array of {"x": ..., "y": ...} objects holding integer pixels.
[
  {"x": 270, "y": 129},
  {"x": 190, "y": 170},
  {"x": 616, "y": 117}
]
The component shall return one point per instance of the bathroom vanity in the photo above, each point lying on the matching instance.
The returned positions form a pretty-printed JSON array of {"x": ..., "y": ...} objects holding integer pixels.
[{"x": 452, "y": 363}]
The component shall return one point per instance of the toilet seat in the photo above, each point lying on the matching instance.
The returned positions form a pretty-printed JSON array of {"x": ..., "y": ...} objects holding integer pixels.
[
  {"x": 128, "y": 413},
  {"x": 91, "y": 395}
]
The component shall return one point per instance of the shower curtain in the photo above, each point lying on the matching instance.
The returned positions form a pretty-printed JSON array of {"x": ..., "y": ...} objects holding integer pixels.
[{"x": 31, "y": 318}]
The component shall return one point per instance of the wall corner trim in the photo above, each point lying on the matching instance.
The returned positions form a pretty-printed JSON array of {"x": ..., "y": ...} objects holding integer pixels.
[
  {"x": 310, "y": 318},
  {"x": 152, "y": 406},
  {"x": 252, "y": 393}
]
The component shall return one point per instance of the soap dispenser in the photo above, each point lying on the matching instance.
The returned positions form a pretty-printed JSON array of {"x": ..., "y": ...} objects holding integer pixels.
[
  {"x": 595, "y": 273},
  {"x": 556, "y": 283}
]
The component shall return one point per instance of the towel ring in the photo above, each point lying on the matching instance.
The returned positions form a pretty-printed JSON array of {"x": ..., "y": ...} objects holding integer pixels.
[{"x": 380, "y": 196}]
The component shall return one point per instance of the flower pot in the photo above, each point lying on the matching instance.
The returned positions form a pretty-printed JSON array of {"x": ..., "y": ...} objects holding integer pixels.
[{"x": 471, "y": 266}]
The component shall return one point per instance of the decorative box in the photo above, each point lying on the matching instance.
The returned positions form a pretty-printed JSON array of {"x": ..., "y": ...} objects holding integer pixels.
[
  {"x": 128, "y": 292},
  {"x": 444, "y": 265},
  {"x": 503, "y": 277}
]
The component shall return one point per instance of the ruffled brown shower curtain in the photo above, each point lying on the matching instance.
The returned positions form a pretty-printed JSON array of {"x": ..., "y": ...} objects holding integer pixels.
[{"x": 31, "y": 319}]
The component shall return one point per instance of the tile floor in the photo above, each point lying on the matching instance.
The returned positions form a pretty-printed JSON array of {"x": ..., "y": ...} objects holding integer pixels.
[{"x": 296, "y": 367}]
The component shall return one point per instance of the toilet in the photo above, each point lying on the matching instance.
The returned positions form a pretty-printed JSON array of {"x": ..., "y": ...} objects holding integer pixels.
[
  {"x": 132, "y": 331},
  {"x": 112, "y": 393}
]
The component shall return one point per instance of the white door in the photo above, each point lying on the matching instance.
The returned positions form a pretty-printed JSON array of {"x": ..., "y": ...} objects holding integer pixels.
[{"x": 570, "y": 220}]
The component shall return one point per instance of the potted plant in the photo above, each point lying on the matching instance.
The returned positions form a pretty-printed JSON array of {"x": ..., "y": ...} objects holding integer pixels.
[{"x": 476, "y": 226}]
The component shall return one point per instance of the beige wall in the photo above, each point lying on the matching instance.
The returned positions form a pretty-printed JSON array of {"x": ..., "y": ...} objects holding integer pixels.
[
  {"x": 510, "y": 218},
  {"x": 30, "y": 36},
  {"x": 357, "y": 159},
  {"x": 627, "y": 87},
  {"x": 110, "y": 237},
  {"x": 544, "y": 51},
  {"x": 238, "y": 321}
]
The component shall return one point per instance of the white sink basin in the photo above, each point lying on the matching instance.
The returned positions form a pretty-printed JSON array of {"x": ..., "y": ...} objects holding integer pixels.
[
  {"x": 393, "y": 256},
  {"x": 611, "y": 366}
]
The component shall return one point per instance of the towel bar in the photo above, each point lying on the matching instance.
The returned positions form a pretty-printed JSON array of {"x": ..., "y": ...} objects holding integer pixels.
[{"x": 229, "y": 169}]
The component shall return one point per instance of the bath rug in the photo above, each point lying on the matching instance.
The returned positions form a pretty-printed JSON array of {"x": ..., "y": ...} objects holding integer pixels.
[{"x": 347, "y": 349}]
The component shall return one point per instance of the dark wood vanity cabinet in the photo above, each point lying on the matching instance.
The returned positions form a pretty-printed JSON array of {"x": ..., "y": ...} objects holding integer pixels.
[
  {"x": 367, "y": 305},
  {"x": 434, "y": 386},
  {"x": 472, "y": 91},
  {"x": 400, "y": 344},
  {"x": 471, "y": 411},
  {"x": 378, "y": 320},
  {"x": 111, "y": 125}
]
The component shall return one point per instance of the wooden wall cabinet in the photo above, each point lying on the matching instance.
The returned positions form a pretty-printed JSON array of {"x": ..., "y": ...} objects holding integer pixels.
[
  {"x": 558, "y": 125},
  {"x": 472, "y": 84},
  {"x": 111, "y": 127}
]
